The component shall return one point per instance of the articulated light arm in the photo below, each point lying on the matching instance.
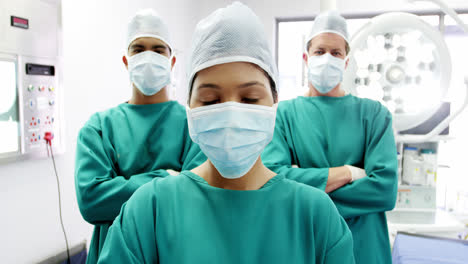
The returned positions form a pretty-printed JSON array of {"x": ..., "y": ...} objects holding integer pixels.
[{"x": 447, "y": 10}]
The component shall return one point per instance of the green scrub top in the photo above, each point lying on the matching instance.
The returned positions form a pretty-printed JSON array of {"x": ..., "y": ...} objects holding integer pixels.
[
  {"x": 183, "y": 219},
  {"x": 121, "y": 149},
  {"x": 317, "y": 133}
]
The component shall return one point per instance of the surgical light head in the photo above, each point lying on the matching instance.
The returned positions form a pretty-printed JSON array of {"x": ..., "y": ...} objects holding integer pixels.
[
  {"x": 147, "y": 23},
  {"x": 403, "y": 62}
]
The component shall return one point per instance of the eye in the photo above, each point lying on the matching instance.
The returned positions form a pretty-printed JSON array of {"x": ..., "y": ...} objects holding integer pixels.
[
  {"x": 250, "y": 100},
  {"x": 318, "y": 52},
  {"x": 336, "y": 54},
  {"x": 137, "y": 51},
  {"x": 210, "y": 102},
  {"x": 162, "y": 51}
]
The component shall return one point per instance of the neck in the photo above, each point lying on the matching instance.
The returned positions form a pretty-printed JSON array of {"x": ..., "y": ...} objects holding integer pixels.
[
  {"x": 139, "y": 98},
  {"x": 335, "y": 92},
  {"x": 253, "y": 180}
]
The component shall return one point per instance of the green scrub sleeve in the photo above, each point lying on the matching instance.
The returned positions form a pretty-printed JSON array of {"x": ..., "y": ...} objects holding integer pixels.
[
  {"x": 340, "y": 246},
  {"x": 377, "y": 192},
  {"x": 127, "y": 241},
  {"x": 278, "y": 156},
  {"x": 100, "y": 192}
]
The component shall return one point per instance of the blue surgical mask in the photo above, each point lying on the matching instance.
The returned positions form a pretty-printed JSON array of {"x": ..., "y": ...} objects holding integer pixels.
[
  {"x": 325, "y": 72},
  {"x": 232, "y": 135},
  {"x": 149, "y": 71}
]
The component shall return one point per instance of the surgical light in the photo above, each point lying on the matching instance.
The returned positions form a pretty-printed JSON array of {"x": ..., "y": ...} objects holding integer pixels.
[
  {"x": 403, "y": 62},
  {"x": 401, "y": 50}
]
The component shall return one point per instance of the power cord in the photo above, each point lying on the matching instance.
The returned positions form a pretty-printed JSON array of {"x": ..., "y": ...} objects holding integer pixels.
[{"x": 48, "y": 138}]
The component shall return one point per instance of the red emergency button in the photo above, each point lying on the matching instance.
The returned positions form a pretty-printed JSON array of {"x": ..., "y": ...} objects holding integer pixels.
[
  {"x": 34, "y": 135},
  {"x": 33, "y": 118},
  {"x": 35, "y": 123}
]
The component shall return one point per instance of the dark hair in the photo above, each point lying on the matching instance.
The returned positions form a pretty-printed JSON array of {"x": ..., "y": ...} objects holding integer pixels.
[
  {"x": 347, "y": 48},
  {"x": 274, "y": 91}
]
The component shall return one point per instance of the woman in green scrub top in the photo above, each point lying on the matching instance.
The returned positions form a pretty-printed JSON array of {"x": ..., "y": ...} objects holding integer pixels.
[{"x": 230, "y": 209}]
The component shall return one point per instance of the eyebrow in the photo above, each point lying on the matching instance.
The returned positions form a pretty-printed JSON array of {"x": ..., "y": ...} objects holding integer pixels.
[
  {"x": 139, "y": 46},
  {"x": 251, "y": 84},
  {"x": 323, "y": 48},
  {"x": 159, "y": 47},
  {"x": 244, "y": 85},
  {"x": 136, "y": 46},
  {"x": 208, "y": 85}
]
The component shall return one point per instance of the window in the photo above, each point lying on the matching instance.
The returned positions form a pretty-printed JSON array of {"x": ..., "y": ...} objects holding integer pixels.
[
  {"x": 9, "y": 138},
  {"x": 291, "y": 46}
]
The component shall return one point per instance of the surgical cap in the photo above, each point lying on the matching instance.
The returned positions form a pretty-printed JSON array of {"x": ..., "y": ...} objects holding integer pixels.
[
  {"x": 147, "y": 23},
  {"x": 230, "y": 34},
  {"x": 329, "y": 22}
]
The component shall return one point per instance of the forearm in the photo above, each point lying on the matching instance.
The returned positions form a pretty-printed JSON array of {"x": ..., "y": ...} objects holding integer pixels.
[
  {"x": 101, "y": 199},
  {"x": 315, "y": 177},
  {"x": 370, "y": 194}
]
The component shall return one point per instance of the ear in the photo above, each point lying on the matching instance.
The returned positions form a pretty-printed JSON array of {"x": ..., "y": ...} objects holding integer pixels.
[
  {"x": 346, "y": 65},
  {"x": 124, "y": 59},
  {"x": 305, "y": 57},
  {"x": 173, "y": 62}
]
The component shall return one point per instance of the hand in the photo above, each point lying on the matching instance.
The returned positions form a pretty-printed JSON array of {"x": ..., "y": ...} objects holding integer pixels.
[
  {"x": 337, "y": 178},
  {"x": 173, "y": 172},
  {"x": 356, "y": 173}
]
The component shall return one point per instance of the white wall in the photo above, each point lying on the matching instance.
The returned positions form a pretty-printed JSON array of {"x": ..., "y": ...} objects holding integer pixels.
[
  {"x": 94, "y": 79},
  {"x": 269, "y": 11}
]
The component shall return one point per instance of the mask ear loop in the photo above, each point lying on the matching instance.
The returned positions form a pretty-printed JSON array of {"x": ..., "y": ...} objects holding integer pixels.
[
  {"x": 171, "y": 87},
  {"x": 346, "y": 60},
  {"x": 275, "y": 106}
]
